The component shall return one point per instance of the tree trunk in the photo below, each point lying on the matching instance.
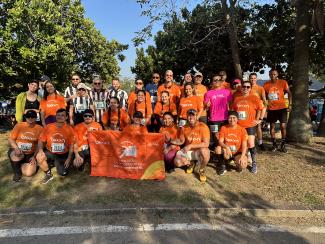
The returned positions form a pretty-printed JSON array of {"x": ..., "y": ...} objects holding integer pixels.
[
  {"x": 232, "y": 33},
  {"x": 299, "y": 125},
  {"x": 321, "y": 128}
]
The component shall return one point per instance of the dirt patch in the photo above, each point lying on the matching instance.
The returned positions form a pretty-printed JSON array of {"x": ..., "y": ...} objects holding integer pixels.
[{"x": 291, "y": 180}]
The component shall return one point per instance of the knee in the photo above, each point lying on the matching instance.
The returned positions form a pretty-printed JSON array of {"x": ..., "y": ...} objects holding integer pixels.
[
  {"x": 28, "y": 169},
  {"x": 218, "y": 150}
]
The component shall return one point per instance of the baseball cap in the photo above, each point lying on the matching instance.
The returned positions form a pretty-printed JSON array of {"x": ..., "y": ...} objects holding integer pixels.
[
  {"x": 83, "y": 85},
  {"x": 138, "y": 115},
  {"x": 198, "y": 74},
  {"x": 88, "y": 111},
  {"x": 31, "y": 114},
  {"x": 191, "y": 111},
  {"x": 236, "y": 81},
  {"x": 233, "y": 113}
]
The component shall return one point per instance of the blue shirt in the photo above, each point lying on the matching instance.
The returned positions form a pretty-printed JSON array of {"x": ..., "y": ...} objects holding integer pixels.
[{"x": 152, "y": 89}]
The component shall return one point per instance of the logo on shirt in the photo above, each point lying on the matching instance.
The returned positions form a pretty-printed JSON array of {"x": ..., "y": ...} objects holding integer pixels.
[
  {"x": 29, "y": 136},
  {"x": 57, "y": 138}
]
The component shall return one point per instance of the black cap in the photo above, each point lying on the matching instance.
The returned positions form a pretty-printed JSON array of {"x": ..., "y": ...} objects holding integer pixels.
[
  {"x": 31, "y": 114},
  {"x": 191, "y": 111},
  {"x": 138, "y": 115},
  {"x": 45, "y": 78},
  {"x": 89, "y": 111}
]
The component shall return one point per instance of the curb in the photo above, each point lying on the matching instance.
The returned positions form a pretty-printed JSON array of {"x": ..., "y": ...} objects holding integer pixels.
[{"x": 277, "y": 213}]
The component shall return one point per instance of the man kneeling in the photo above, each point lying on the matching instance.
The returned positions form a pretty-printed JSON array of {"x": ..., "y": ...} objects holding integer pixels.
[
  {"x": 196, "y": 136},
  {"x": 232, "y": 144}
]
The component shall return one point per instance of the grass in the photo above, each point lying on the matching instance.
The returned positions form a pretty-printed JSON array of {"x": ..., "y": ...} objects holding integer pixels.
[{"x": 283, "y": 180}]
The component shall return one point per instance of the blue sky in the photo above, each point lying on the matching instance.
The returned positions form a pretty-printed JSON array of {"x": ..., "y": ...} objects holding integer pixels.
[{"x": 119, "y": 20}]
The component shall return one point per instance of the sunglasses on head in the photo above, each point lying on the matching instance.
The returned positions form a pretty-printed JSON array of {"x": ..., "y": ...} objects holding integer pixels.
[{"x": 87, "y": 116}]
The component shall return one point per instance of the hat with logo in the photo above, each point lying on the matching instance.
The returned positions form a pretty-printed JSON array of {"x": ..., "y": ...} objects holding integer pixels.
[{"x": 191, "y": 111}]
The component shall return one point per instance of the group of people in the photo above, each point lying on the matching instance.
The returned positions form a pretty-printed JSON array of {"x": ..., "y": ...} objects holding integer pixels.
[{"x": 223, "y": 117}]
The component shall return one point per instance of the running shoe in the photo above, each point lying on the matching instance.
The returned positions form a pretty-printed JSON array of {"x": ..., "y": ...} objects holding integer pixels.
[
  {"x": 16, "y": 178},
  {"x": 222, "y": 170},
  {"x": 274, "y": 147},
  {"x": 47, "y": 178},
  {"x": 190, "y": 168},
  {"x": 254, "y": 168},
  {"x": 202, "y": 176},
  {"x": 261, "y": 147},
  {"x": 283, "y": 148}
]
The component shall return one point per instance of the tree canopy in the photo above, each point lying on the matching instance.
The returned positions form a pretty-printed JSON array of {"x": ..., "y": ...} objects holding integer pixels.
[{"x": 52, "y": 37}]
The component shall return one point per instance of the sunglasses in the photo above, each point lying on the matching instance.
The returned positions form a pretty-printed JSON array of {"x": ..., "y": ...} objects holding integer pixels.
[
  {"x": 74, "y": 79},
  {"x": 30, "y": 117},
  {"x": 81, "y": 89},
  {"x": 97, "y": 83},
  {"x": 246, "y": 87},
  {"x": 139, "y": 83},
  {"x": 87, "y": 116},
  {"x": 155, "y": 77}
]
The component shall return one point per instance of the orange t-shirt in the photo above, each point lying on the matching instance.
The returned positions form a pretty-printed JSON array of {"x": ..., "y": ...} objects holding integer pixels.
[
  {"x": 52, "y": 104},
  {"x": 246, "y": 108},
  {"x": 174, "y": 92},
  {"x": 160, "y": 108},
  {"x": 132, "y": 129},
  {"x": 226, "y": 85},
  {"x": 275, "y": 94},
  {"x": 81, "y": 132},
  {"x": 57, "y": 139},
  {"x": 200, "y": 91},
  {"x": 186, "y": 103},
  {"x": 233, "y": 137},
  {"x": 26, "y": 137},
  {"x": 258, "y": 90},
  {"x": 172, "y": 131},
  {"x": 197, "y": 134},
  {"x": 133, "y": 97},
  {"x": 144, "y": 108},
  {"x": 113, "y": 117},
  {"x": 236, "y": 94}
]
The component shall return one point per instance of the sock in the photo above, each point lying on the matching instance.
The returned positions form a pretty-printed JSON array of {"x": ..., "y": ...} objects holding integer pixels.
[
  {"x": 260, "y": 142},
  {"x": 16, "y": 167},
  {"x": 253, "y": 154},
  {"x": 283, "y": 141},
  {"x": 221, "y": 159},
  {"x": 273, "y": 141}
]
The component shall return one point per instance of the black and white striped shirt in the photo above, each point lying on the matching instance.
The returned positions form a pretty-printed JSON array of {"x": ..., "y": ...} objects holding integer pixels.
[
  {"x": 69, "y": 91},
  {"x": 121, "y": 95},
  {"x": 100, "y": 100},
  {"x": 80, "y": 104}
]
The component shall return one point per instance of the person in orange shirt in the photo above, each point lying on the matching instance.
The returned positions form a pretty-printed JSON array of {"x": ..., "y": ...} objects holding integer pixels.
[
  {"x": 163, "y": 106},
  {"x": 139, "y": 85},
  {"x": 187, "y": 78},
  {"x": 260, "y": 92},
  {"x": 223, "y": 77},
  {"x": 81, "y": 147},
  {"x": 56, "y": 145},
  {"x": 199, "y": 91},
  {"x": 115, "y": 118},
  {"x": 138, "y": 125},
  {"x": 23, "y": 146},
  {"x": 169, "y": 129},
  {"x": 190, "y": 101},
  {"x": 142, "y": 105},
  {"x": 232, "y": 144},
  {"x": 196, "y": 138},
  {"x": 50, "y": 103},
  {"x": 277, "y": 108},
  {"x": 249, "y": 108},
  {"x": 171, "y": 87}
]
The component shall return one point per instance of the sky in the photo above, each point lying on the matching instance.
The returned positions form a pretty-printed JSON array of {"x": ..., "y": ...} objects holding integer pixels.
[{"x": 119, "y": 20}]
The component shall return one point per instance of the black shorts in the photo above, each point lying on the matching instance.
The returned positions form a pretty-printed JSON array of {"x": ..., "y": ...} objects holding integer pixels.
[
  {"x": 251, "y": 131},
  {"x": 204, "y": 119},
  {"x": 24, "y": 160},
  {"x": 214, "y": 127},
  {"x": 58, "y": 160},
  {"x": 85, "y": 154},
  {"x": 275, "y": 115}
]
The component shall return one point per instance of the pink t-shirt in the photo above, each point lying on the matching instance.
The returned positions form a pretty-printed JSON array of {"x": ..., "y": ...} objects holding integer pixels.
[{"x": 219, "y": 100}]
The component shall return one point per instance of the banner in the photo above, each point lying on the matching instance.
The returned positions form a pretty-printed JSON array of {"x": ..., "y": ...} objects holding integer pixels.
[{"x": 124, "y": 155}]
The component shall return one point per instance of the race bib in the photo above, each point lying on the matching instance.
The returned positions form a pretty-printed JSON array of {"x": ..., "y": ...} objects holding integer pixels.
[
  {"x": 57, "y": 147},
  {"x": 38, "y": 118},
  {"x": 27, "y": 146},
  {"x": 242, "y": 115},
  {"x": 233, "y": 149},
  {"x": 214, "y": 128},
  {"x": 273, "y": 96},
  {"x": 84, "y": 147},
  {"x": 181, "y": 122},
  {"x": 100, "y": 104},
  {"x": 81, "y": 107},
  {"x": 153, "y": 99}
]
